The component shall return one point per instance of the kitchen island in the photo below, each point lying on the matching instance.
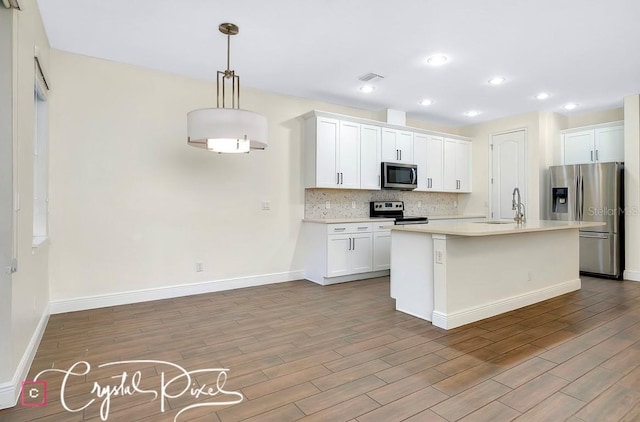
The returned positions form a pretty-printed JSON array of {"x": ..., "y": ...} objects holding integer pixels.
[{"x": 456, "y": 274}]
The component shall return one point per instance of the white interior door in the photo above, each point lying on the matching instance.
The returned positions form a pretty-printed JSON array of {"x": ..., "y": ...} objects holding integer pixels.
[{"x": 508, "y": 171}]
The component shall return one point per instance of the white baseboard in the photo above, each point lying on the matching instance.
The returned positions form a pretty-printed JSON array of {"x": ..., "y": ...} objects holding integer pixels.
[
  {"x": 10, "y": 391},
  {"x": 456, "y": 319},
  {"x": 631, "y": 275},
  {"x": 135, "y": 296},
  {"x": 326, "y": 281}
]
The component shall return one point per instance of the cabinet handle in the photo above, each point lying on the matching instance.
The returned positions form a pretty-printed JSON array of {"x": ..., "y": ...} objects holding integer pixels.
[
  {"x": 354, "y": 244},
  {"x": 400, "y": 155},
  {"x": 378, "y": 180},
  {"x": 591, "y": 155},
  {"x": 363, "y": 228},
  {"x": 338, "y": 178},
  {"x": 341, "y": 179},
  {"x": 339, "y": 229},
  {"x": 429, "y": 182},
  {"x": 597, "y": 155}
]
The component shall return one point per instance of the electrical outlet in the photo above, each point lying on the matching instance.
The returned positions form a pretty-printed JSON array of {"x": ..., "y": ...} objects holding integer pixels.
[
  {"x": 353, "y": 204},
  {"x": 529, "y": 276},
  {"x": 419, "y": 204},
  {"x": 455, "y": 204},
  {"x": 266, "y": 205},
  {"x": 439, "y": 257},
  {"x": 327, "y": 204},
  {"x": 199, "y": 266}
]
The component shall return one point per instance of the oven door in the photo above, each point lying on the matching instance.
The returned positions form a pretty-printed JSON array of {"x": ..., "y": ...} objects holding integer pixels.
[{"x": 399, "y": 176}]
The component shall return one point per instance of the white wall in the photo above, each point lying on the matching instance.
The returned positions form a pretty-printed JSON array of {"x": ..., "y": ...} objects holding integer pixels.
[
  {"x": 594, "y": 118},
  {"x": 133, "y": 207},
  {"x": 6, "y": 191},
  {"x": 477, "y": 201},
  {"x": 30, "y": 285}
]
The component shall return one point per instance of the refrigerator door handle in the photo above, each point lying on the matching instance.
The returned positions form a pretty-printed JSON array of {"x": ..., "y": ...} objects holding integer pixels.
[
  {"x": 581, "y": 198},
  {"x": 577, "y": 200}
]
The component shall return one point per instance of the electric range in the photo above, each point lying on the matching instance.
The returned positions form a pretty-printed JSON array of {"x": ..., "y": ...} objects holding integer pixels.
[{"x": 393, "y": 209}]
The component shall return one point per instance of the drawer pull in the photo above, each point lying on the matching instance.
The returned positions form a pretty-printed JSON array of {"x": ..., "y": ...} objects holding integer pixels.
[{"x": 340, "y": 229}]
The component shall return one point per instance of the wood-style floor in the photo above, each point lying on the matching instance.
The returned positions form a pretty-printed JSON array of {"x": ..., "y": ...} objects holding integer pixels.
[{"x": 299, "y": 351}]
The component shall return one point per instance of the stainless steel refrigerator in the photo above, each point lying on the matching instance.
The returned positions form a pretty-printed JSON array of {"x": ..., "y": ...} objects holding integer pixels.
[{"x": 592, "y": 192}]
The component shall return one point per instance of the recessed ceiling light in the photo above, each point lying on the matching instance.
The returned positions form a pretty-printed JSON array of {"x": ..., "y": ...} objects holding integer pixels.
[
  {"x": 570, "y": 106},
  {"x": 367, "y": 88},
  {"x": 471, "y": 113},
  {"x": 497, "y": 80},
  {"x": 437, "y": 59},
  {"x": 542, "y": 96},
  {"x": 426, "y": 102}
]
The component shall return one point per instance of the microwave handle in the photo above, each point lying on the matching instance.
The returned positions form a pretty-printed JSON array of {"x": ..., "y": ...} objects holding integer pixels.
[{"x": 414, "y": 176}]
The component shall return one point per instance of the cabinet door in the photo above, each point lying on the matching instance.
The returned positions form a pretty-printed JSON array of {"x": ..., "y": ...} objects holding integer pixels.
[
  {"x": 450, "y": 179},
  {"x": 463, "y": 165},
  {"x": 361, "y": 254},
  {"x": 349, "y": 155},
  {"x": 404, "y": 144},
  {"x": 434, "y": 164},
  {"x": 370, "y": 157},
  {"x": 609, "y": 142},
  {"x": 578, "y": 147},
  {"x": 338, "y": 254},
  {"x": 381, "y": 250},
  {"x": 420, "y": 158},
  {"x": 326, "y": 152},
  {"x": 390, "y": 151}
]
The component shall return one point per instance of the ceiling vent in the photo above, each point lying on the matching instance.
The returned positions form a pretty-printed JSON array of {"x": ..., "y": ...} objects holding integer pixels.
[{"x": 370, "y": 77}]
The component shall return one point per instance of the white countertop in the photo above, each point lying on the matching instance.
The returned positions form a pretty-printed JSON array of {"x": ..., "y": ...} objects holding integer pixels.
[
  {"x": 369, "y": 219},
  {"x": 485, "y": 229}
]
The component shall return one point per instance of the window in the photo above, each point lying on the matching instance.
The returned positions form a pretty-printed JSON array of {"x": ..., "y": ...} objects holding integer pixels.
[{"x": 40, "y": 159}]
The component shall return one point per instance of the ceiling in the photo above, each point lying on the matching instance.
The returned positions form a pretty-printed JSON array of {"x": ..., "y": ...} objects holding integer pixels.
[{"x": 582, "y": 51}]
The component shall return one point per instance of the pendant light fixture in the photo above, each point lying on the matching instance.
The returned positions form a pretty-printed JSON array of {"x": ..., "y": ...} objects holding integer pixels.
[{"x": 227, "y": 129}]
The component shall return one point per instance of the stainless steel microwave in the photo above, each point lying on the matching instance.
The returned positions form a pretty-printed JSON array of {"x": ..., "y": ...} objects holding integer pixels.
[{"x": 399, "y": 176}]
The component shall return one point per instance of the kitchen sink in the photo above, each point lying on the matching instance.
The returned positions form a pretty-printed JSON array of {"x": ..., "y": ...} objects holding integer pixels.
[{"x": 495, "y": 222}]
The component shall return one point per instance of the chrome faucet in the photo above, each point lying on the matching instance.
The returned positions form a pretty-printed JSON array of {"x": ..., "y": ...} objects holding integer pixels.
[{"x": 518, "y": 207}]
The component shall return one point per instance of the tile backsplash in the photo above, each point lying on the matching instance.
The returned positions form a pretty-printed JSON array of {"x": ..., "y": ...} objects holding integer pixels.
[{"x": 342, "y": 201}]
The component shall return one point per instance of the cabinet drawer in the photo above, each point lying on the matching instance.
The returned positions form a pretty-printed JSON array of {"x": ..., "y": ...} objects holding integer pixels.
[
  {"x": 349, "y": 228},
  {"x": 383, "y": 226}
]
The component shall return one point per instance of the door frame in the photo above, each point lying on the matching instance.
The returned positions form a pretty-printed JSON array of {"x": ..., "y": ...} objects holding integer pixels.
[{"x": 526, "y": 167}]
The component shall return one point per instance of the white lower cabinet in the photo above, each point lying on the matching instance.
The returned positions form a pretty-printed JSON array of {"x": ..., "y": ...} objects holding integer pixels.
[
  {"x": 344, "y": 252},
  {"x": 382, "y": 245},
  {"x": 349, "y": 253}
]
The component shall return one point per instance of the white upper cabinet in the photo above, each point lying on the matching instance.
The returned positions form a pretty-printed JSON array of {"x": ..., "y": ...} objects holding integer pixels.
[
  {"x": 326, "y": 174},
  {"x": 370, "y": 156},
  {"x": 346, "y": 152},
  {"x": 348, "y": 158},
  {"x": 397, "y": 146},
  {"x": 609, "y": 144},
  {"x": 457, "y": 165},
  {"x": 593, "y": 144},
  {"x": 578, "y": 147},
  {"x": 428, "y": 154},
  {"x": 333, "y": 158}
]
